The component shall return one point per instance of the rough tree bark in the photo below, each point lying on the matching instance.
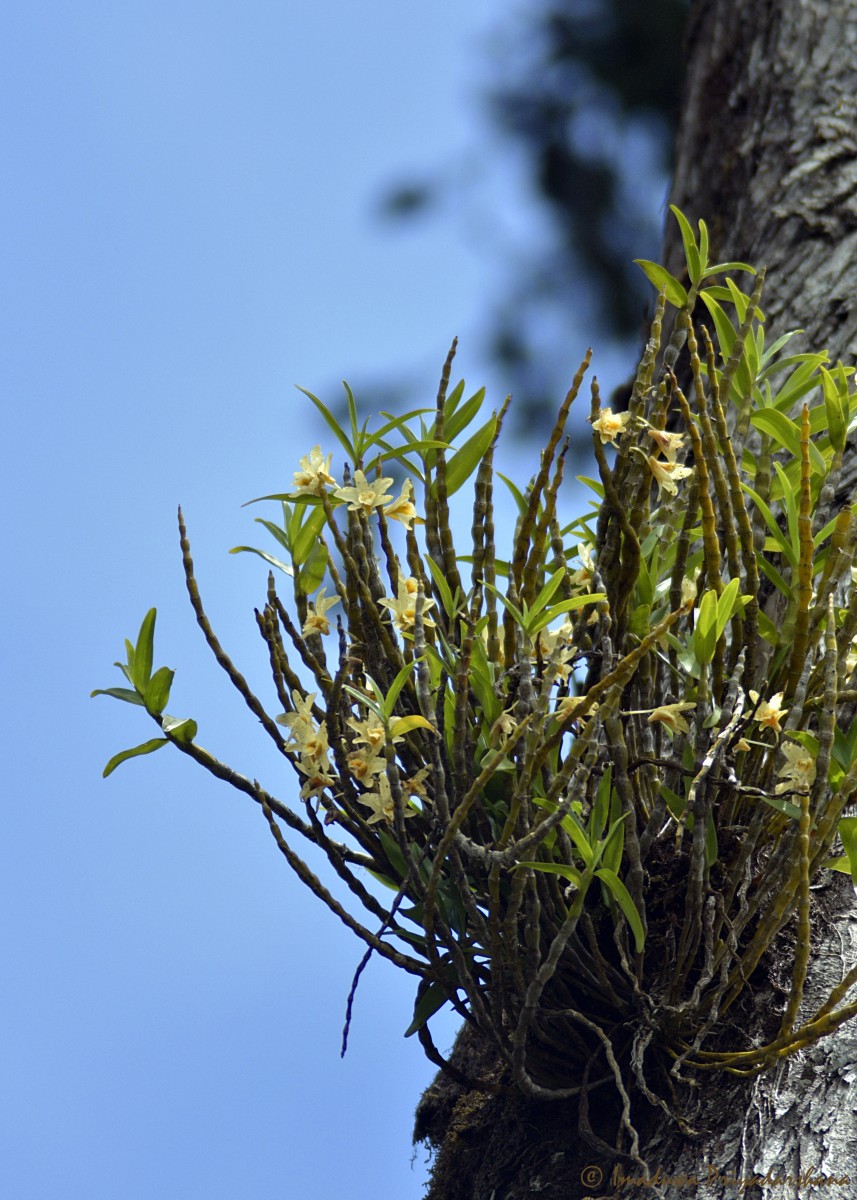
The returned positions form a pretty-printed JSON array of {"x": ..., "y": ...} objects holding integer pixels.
[{"x": 767, "y": 153}]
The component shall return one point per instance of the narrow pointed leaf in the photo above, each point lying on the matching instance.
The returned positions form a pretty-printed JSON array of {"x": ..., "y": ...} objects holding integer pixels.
[
  {"x": 332, "y": 424},
  {"x": 563, "y": 869},
  {"x": 158, "y": 692},
  {"x": 126, "y": 694},
  {"x": 662, "y": 280},
  {"x": 465, "y": 461},
  {"x": 623, "y": 898},
  {"x": 144, "y": 650},
  {"x": 691, "y": 251},
  {"x": 144, "y": 748},
  {"x": 269, "y": 558}
]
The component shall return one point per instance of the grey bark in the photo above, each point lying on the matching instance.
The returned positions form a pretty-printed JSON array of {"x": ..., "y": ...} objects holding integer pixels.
[
  {"x": 767, "y": 148},
  {"x": 767, "y": 154}
]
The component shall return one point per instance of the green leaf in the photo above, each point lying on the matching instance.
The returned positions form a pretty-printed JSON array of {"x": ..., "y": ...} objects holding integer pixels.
[
  {"x": 126, "y": 694},
  {"x": 570, "y": 873},
  {"x": 432, "y": 999},
  {"x": 312, "y": 573},
  {"x": 352, "y": 416},
  {"x": 517, "y": 494},
  {"x": 405, "y": 724},
  {"x": 771, "y": 521},
  {"x": 399, "y": 423},
  {"x": 464, "y": 462},
  {"x": 836, "y": 406},
  {"x": 719, "y": 268},
  {"x": 728, "y": 603},
  {"x": 547, "y": 592},
  {"x": 394, "y": 854},
  {"x": 594, "y": 484},
  {"x": 848, "y": 832},
  {"x": 780, "y": 583},
  {"x": 601, "y": 808},
  {"x": 396, "y": 686},
  {"x": 801, "y": 381},
  {"x": 374, "y": 706},
  {"x": 623, "y": 898},
  {"x": 307, "y": 537},
  {"x": 840, "y": 864},
  {"x": 442, "y": 586},
  {"x": 183, "y": 729},
  {"x": 705, "y": 630},
  {"x": 695, "y": 266},
  {"x": 158, "y": 692},
  {"x": 533, "y": 626},
  {"x": 789, "y": 501},
  {"x": 725, "y": 331},
  {"x": 578, "y": 836},
  {"x": 144, "y": 748},
  {"x": 662, "y": 280},
  {"x": 144, "y": 651},
  {"x": 263, "y": 554},
  {"x": 773, "y": 349},
  {"x": 275, "y": 531},
  {"x": 516, "y": 613},
  {"x": 786, "y": 433},
  {"x": 334, "y": 426},
  {"x": 703, "y": 243},
  {"x": 452, "y": 426},
  {"x": 783, "y": 806}
]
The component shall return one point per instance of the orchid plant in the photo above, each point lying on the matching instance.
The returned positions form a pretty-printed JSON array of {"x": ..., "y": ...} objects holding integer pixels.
[{"x": 580, "y": 790}]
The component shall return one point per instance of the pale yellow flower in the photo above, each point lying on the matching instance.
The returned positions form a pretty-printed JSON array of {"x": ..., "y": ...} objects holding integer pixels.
[
  {"x": 370, "y": 731},
  {"x": 381, "y": 803},
  {"x": 770, "y": 711},
  {"x": 314, "y": 475},
  {"x": 670, "y": 715},
  {"x": 404, "y": 608},
  {"x": 416, "y": 786},
  {"x": 688, "y": 591},
  {"x": 300, "y": 722},
  {"x": 402, "y": 509},
  {"x": 314, "y": 747},
  {"x": 799, "y": 770},
  {"x": 365, "y": 495},
  {"x": 555, "y": 645},
  {"x": 316, "y": 621},
  {"x": 610, "y": 425},
  {"x": 364, "y": 764},
  {"x": 569, "y": 705},
  {"x": 307, "y": 738},
  {"x": 584, "y": 575},
  {"x": 502, "y": 728},
  {"x": 548, "y": 639},
  {"x": 666, "y": 474},
  {"x": 667, "y": 443},
  {"x": 318, "y": 778}
]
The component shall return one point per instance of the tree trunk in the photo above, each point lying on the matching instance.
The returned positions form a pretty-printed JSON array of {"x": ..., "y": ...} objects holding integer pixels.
[{"x": 767, "y": 153}]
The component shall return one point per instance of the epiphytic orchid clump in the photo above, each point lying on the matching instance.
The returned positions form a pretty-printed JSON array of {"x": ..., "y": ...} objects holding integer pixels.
[{"x": 597, "y": 763}]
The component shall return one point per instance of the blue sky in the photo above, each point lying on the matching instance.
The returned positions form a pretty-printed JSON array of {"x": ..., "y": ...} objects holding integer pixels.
[{"x": 189, "y": 217}]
